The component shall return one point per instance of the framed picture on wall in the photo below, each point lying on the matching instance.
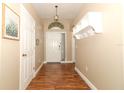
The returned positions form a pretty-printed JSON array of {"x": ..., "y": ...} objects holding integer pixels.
[{"x": 10, "y": 23}]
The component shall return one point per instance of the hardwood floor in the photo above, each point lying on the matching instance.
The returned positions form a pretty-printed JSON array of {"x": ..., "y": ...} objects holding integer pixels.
[{"x": 55, "y": 76}]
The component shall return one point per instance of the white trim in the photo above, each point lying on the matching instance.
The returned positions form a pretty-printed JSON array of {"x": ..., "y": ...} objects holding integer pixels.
[
  {"x": 67, "y": 62},
  {"x": 44, "y": 46},
  {"x": 66, "y": 44},
  {"x": 85, "y": 79},
  {"x": 34, "y": 51},
  {"x": 73, "y": 49},
  {"x": 45, "y": 62},
  {"x": 61, "y": 62},
  {"x": 27, "y": 84},
  {"x": 38, "y": 69}
]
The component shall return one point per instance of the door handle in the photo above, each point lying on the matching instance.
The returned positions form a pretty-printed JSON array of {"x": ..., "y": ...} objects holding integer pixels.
[
  {"x": 59, "y": 46},
  {"x": 24, "y": 55}
]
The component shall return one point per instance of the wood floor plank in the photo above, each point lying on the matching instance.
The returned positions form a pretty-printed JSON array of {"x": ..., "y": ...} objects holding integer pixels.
[{"x": 57, "y": 77}]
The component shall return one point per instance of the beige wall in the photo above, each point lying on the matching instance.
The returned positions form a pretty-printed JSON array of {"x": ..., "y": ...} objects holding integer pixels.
[
  {"x": 39, "y": 56},
  {"x": 102, "y": 53},
  {"x": 0, "y": 43},
  {"x": 67, "y": 29},
  {"x": 10, "y": 53},
  {"x": 10, "y": 59},
  {"x": 39, "y": 51},
  {"x": 123, "y": 38}
]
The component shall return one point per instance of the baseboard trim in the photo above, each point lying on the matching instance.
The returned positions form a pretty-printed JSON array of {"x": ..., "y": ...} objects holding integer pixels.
[
  {"x": 88, "y": 82},
  {"x": 61, "y": 62},
  {"x": 38, "y": 69},
  {"x": 67, "y": 62},
  {"x": 27, "y": 84},
  {"x": 45, "y": 62}
]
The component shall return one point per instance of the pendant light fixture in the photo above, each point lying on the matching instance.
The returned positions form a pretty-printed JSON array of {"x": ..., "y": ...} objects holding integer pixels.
[{"x": 56, "y": 24}]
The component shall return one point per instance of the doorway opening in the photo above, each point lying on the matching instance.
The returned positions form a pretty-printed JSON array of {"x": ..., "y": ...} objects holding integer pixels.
[{"x": 56, "y": 47}]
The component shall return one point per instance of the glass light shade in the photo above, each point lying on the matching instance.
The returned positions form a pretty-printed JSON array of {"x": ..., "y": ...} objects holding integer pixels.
[{"x": 56, "y": 24}]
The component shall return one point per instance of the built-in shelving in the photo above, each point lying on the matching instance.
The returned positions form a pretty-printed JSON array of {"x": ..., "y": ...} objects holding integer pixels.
[{"x": 89, "y": 25}]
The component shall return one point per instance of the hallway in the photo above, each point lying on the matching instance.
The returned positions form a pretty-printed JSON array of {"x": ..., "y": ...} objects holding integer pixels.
[
  {"x": 59, "y": 77},
  {"x": 86, "y": 38}
]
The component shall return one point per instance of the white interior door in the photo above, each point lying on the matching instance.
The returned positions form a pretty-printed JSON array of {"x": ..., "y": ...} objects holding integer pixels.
[
  {"x": 53, "y": 47},
  {"x": 27, "y": 42}
]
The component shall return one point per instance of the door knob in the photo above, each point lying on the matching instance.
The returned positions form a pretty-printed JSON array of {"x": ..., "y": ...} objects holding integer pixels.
[{"x": 24, "y": 55}]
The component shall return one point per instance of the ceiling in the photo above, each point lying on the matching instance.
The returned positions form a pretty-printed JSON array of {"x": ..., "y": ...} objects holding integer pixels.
[{"x": 65, "y": 11}]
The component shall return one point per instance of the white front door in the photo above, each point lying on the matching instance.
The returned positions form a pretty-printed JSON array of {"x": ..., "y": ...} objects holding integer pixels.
[
  {"x": 53, "y": 47},
  {"x": 27, "y": 48}
]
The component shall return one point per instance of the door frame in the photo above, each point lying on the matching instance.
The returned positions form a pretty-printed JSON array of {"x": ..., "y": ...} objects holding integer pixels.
[
  {"x": 73, "y": 49},
  {"x": 61, "y": 31},
  {"x": 21, "y": 87}
]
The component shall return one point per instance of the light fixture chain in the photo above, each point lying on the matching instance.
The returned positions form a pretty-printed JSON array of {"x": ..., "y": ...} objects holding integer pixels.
[{"x": 56, "y": 24}]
